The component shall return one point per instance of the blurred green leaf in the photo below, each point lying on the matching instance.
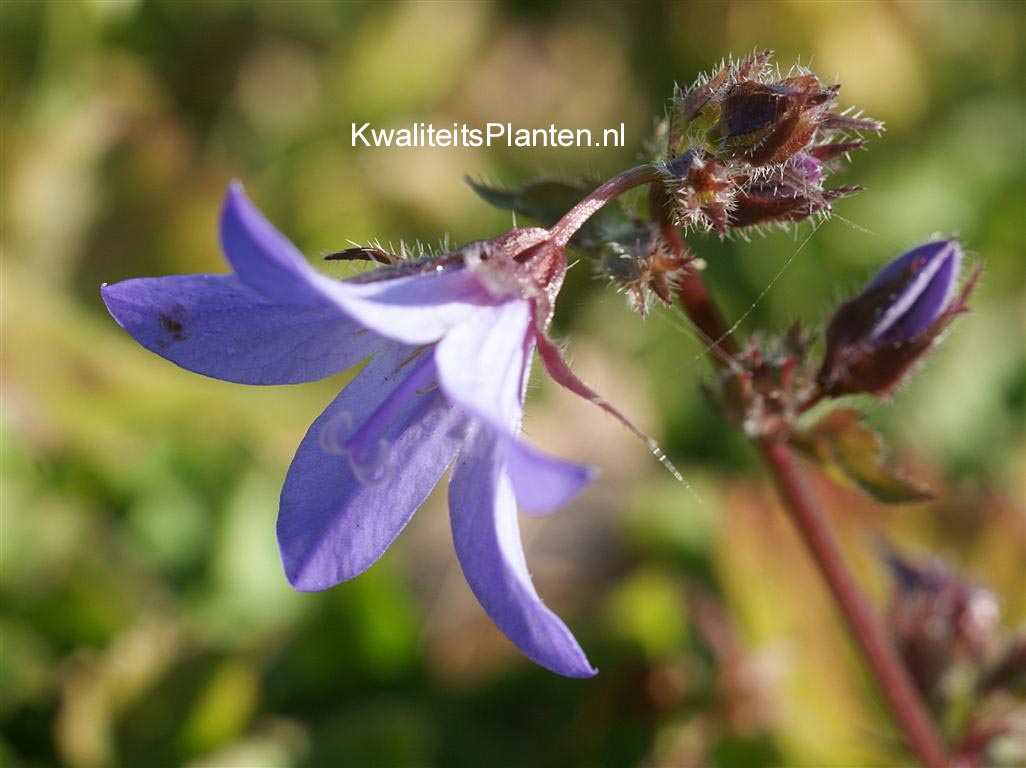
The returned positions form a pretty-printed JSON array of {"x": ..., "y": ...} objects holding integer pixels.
[
  {"x": 648, "y": 608},
  {"x": 853, "y": 454},
  {"x": 222, "y": 709}
]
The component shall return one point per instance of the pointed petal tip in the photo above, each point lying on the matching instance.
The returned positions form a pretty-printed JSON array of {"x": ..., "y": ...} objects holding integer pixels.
[
  {"x": 298, "y": 570},
  {"x": 236, "y": 202},
  {"x": 564, "y": 657},
  {"x": 305, "y": 579},
  {"x": 578, "y": 669},
  {"x": 235, "y": 193},
  {"x": 261, "y": 256},
  {"x": 585, "y": 672},
  {"x": 543, "y": 483},
  {"x": 299, "y": 582},
  {"x": 944, "y": 246},
  {"x": 112, "y": 300}
]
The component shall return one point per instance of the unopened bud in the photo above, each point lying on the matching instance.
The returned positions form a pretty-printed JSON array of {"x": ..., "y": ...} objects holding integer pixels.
[
  {"x": 873, "y": 340},
  {"x": 787, "y": 193}
]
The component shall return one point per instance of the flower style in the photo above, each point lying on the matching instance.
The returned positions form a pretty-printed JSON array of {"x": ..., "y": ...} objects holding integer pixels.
[
  {"x": 450, "y": 343},
  {"x": 873, "y": 340}
]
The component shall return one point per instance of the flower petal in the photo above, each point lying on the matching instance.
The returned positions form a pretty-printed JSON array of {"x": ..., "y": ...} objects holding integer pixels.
[
  {"x": 418, "y": 309},
  {"x": 487, "y": 539},
  {"x": 332, "y": 526},
  {"x": 909, "y": 263},
  {"x": 482, "y": 364},
  {"x": 217, "y": 326},
  {"x": 927, "y": 294},
  {"x": 543, "y": 483},
  {"x": 262, "y": 257}
]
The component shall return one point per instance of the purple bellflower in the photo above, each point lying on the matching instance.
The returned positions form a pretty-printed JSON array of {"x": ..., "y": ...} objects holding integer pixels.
[
  {"x": 873, "y": 340},
  {"x": 450, "y": 343}
]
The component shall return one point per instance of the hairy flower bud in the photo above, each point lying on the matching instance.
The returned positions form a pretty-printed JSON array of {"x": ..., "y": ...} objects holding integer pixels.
[
  {"x": 788, "y": 193},
  {"x": 766, "y": 123},
  {"x": 873, "y": 340},
  {"x": 702, "y": 190},
  {"x": 643, "y": 267},
  {"x": 748, "y": 112},
  {"x": 747, "y": 146}
]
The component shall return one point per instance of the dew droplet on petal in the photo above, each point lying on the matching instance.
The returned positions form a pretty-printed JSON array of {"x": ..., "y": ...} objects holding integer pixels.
[
  {"x": 372, "y": 464},
  {"x": 335, "y": 432}
]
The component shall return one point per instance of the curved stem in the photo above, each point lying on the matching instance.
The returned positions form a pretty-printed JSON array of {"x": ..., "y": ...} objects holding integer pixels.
[
  {"x": 574, "y": 219},
  {"x": 890, "y": 674}
]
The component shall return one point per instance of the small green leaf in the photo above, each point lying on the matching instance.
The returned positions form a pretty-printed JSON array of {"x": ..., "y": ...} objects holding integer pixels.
[
  {"x": 853, "y": 454},
  {"x": 546, "y": 200}
]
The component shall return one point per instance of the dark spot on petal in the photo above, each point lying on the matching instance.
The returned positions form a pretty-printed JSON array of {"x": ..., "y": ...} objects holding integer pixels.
[
  {"x": 170, "y": 324},
  {"x": 173, "y": 327}
]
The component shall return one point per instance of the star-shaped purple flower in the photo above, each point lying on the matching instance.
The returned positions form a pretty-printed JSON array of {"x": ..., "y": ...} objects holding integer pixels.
[{"x": 450, "y": 343}]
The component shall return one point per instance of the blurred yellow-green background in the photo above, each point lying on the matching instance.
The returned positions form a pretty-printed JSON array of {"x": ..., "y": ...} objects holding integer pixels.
[{"x": 143, "y": 613}]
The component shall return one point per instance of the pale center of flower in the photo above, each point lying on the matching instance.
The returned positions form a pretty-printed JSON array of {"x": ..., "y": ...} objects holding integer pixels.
[
  {"x": 500, "y": 275},
  {"x": 369, "y": 453}
]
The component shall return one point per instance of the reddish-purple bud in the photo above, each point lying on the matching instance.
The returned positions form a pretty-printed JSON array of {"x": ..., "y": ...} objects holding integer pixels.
[
  {"x": 788, "y": 193},
  {"x": 766, "y": 123},
  {"x": 747, "y": 113},
  {"x": 873, "y": 340},
  {"x": 747, "y": 146}
]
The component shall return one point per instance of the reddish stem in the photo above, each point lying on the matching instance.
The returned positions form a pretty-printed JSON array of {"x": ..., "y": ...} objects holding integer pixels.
[
  {"x": 872, "y": 640},
  {"x": 887, "y": 668},
  {"x": 574, "y": 219}
]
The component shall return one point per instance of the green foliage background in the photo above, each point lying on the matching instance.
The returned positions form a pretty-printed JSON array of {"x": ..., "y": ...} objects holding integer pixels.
[{"x": 143, "y": 614}]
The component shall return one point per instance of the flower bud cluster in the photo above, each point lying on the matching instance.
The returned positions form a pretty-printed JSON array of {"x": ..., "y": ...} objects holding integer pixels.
[
  {"x": 764, "y": 388},
  {"x": 748, "y": 146}
]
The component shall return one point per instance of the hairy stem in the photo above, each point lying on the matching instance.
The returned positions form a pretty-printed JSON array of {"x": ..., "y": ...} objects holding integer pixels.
[
  {"x": 574, "y": 219},
  {"x": 890, "y": 674}
]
